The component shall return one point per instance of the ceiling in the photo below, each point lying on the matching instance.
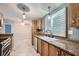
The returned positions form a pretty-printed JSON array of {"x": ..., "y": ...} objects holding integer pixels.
[{"x": 37, "y": 10}]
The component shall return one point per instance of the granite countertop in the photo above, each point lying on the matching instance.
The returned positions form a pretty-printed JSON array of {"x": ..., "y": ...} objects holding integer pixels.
[
  {"x": 6, "y": 34},
  {"x": 69, "y": 46}
]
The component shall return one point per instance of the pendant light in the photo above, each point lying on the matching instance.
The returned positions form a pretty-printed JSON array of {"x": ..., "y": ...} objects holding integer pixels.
[
  {"x": 24, "y": 14},
  {"x": 49, "y": 15}
]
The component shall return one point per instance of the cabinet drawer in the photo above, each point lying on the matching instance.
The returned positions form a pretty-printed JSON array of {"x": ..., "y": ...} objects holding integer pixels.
[
  {"x": 53, "y": 51},
  {"x": 63, "y": 53},
  {"x": 44, "y": 48}
]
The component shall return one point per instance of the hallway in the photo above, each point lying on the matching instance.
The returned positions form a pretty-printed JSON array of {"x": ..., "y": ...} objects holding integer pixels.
[{"x": 22, "y": 40}]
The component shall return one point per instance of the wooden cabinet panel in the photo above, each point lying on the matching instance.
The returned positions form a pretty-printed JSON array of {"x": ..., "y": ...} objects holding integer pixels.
[
  {"x": 53, "y": 51},
  {"x": 1, "y": 19},
  {"x": 39, "y": 46},
  {"x": 63, "y": 53},
  {"x": 74, "y": 14},
  {"x": 35, "y": 43},
  {"x": 44, "y": 48},
  {"x": 36, "y": 24}
]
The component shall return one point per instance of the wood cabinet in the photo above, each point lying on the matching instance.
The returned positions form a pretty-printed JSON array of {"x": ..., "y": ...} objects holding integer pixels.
[
  {"x": 63, "y": 53},
  {"x": 74, "y": 14},
  {"x": 44, "y": 48},
  {"x": 36, "y": 24},
  {"x": 1, "y": 19},
  {"x": 39, "y": 46},
  {"x": 35, "y": 43},
  {"x": 53, "y": 51}
]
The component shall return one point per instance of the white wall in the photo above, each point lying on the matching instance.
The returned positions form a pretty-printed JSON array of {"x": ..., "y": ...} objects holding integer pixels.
[{"x": 21, "y": 32}]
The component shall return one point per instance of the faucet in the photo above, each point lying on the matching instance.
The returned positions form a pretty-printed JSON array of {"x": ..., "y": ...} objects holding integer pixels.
[{"x": 50, "y": 32}]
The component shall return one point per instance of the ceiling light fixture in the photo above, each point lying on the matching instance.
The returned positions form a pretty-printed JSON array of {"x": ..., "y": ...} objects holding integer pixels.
[{"x": 24, "y": 16}]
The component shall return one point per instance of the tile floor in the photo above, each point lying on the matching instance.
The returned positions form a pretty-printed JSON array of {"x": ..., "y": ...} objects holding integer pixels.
[{"x": 23, "y": 48}]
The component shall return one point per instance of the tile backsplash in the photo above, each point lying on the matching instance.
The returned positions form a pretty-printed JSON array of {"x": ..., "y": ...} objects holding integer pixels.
[{"x": 75, "y": 34}]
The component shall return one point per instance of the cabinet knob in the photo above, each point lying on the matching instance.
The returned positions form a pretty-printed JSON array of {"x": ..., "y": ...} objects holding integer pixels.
[
  {"x": 73, "y": 21},
  {"x": 57, "y": 53}
]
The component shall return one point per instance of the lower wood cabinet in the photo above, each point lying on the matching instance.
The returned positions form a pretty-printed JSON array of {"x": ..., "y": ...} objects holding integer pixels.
[
  {"x": 44, "y": 48},
  {"x": 53, "y": 51},
  {"x": 63, "y": 53},
  {"x": 35, "y": 43},
  {"x": 39, "y": 46}
]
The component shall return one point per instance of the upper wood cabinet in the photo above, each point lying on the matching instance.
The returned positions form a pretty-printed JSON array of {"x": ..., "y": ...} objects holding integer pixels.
[
  {"x": 1, "y": 19},
  {"x": 74, "y": 14},
  {"x": 36, "y": 24}
]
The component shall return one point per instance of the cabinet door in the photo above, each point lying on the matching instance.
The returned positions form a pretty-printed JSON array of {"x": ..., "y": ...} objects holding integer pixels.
[
  {"x": 74, "y": 14},
  {"x": 35, "y": 43},
  {"x": 63, "y": 53},
  {"x": 53, "y": 51},
  {"x": 44, "y": 48},
  {"x": 39, "y": 46}
]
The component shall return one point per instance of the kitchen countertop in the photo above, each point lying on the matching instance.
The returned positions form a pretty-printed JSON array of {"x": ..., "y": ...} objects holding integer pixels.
[
  {"x": 5, "y": 35},
  {"x": 69, "y": 46}
]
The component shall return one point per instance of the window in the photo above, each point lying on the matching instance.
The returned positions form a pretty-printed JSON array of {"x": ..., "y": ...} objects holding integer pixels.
[
  {"x": 57, "y": 24},
  {"x": 47, "y": 25}
]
